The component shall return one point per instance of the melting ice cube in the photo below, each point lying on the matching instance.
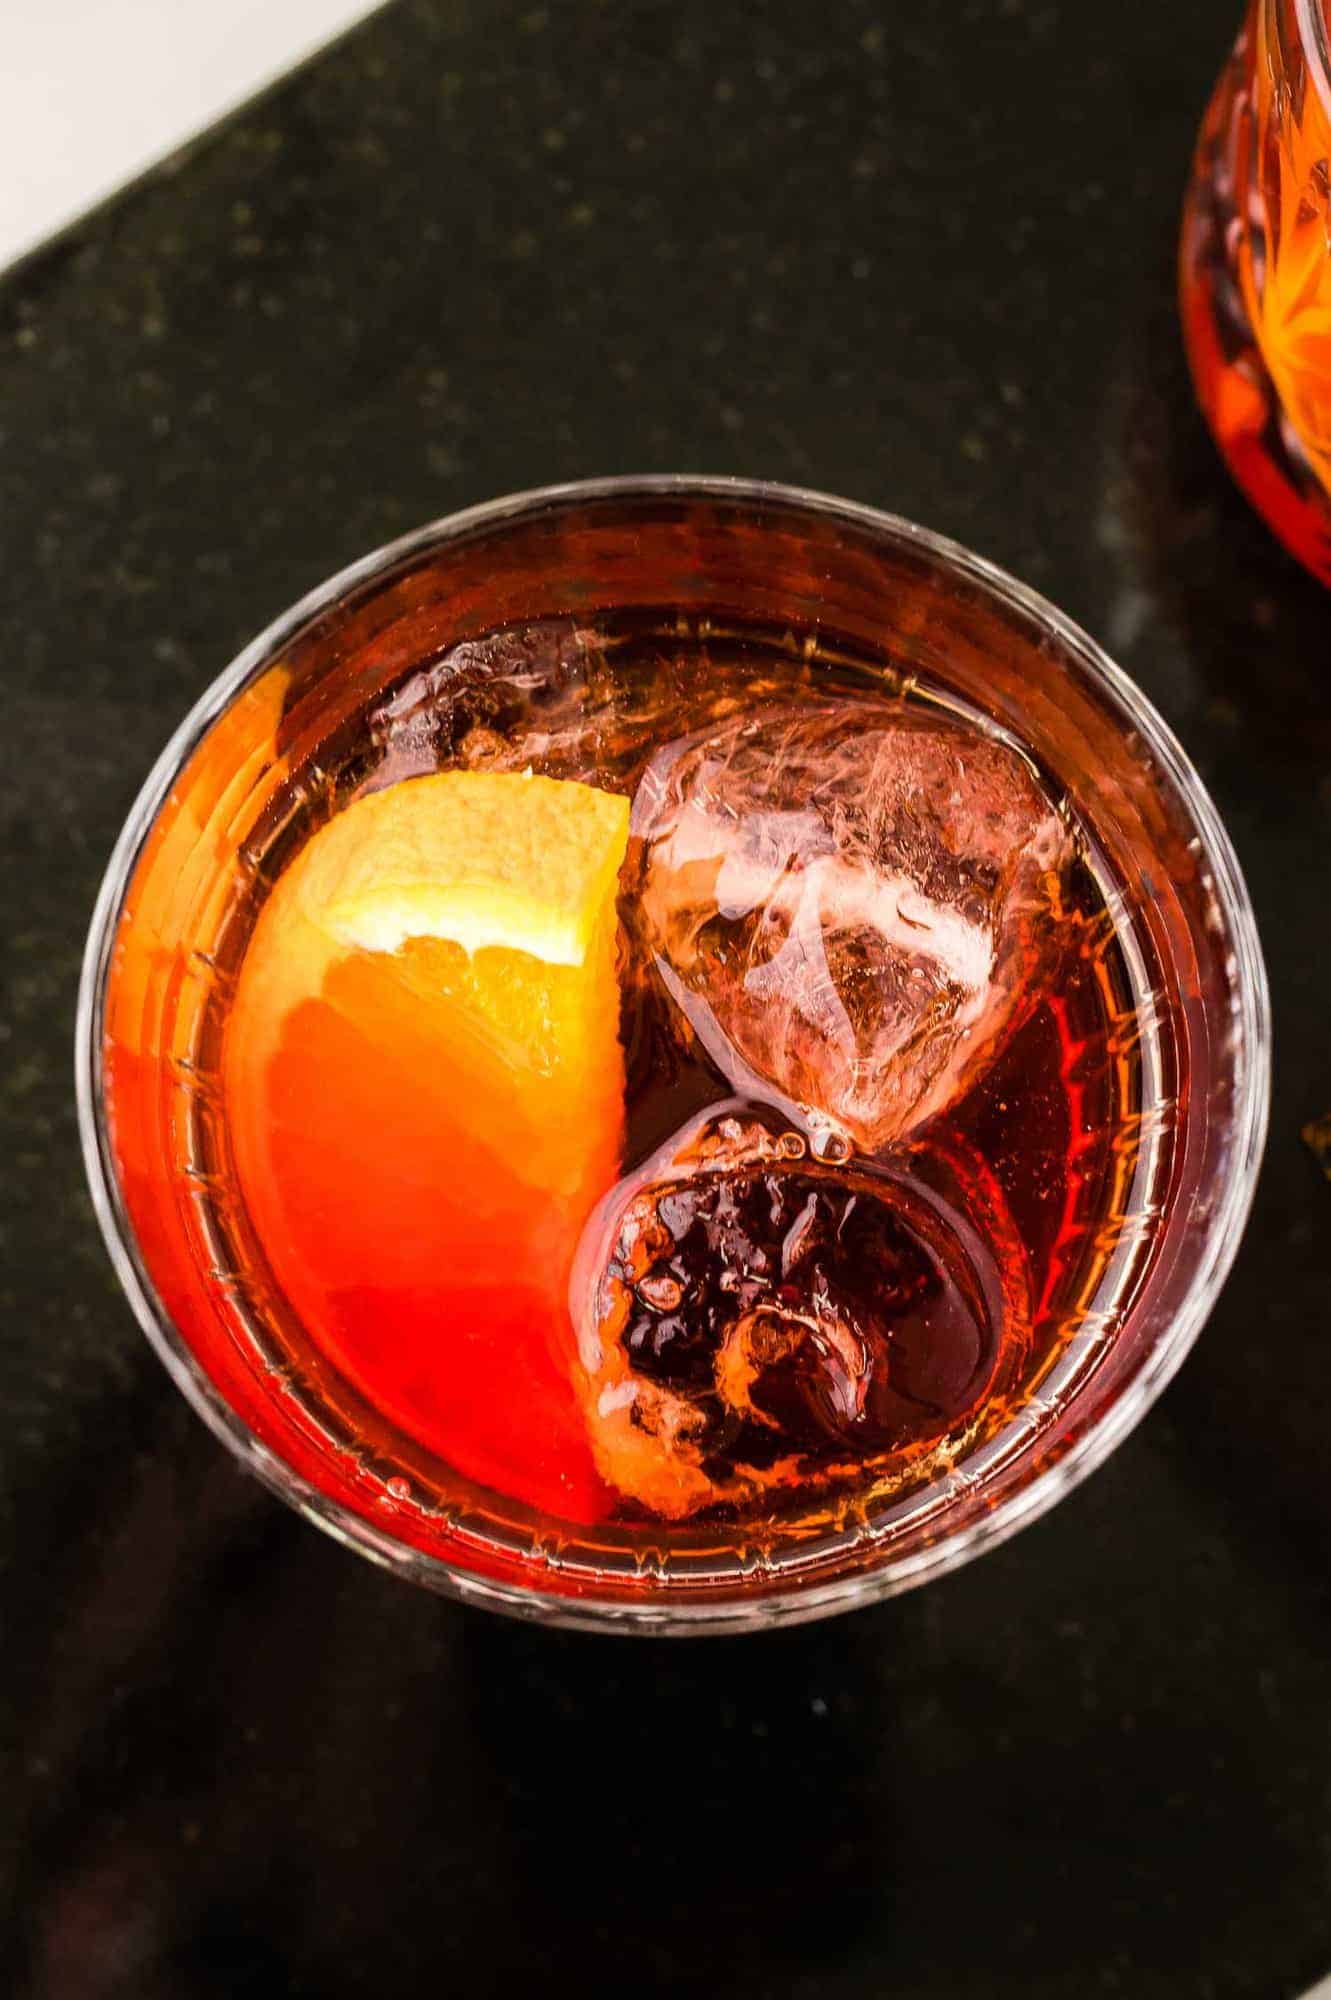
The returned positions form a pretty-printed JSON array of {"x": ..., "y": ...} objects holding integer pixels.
[{"x": 750, "y": 1320}]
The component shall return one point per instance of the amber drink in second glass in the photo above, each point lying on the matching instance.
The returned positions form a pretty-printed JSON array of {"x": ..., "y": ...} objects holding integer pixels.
[{"x": 1255, "y": 271}]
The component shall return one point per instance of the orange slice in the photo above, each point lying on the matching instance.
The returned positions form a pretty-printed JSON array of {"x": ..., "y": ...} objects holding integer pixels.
[{"x": 424, "y": 1088}]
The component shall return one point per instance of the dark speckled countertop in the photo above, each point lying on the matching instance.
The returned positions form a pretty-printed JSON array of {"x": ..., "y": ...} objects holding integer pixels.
[{"x": 917, "y": 255}]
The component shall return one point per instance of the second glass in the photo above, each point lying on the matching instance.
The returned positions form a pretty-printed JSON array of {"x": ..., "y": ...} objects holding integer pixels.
[{"x": 1255, "y": 271}]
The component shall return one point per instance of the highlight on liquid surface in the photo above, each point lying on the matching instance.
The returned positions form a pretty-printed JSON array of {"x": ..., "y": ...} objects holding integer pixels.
[{"x": 684, "y": 1076}]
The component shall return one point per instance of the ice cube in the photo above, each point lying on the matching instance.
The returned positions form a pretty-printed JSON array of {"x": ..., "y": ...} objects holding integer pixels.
[
  {"x": 751, "y": 1320},
  {"x": 848, "y": 902}
]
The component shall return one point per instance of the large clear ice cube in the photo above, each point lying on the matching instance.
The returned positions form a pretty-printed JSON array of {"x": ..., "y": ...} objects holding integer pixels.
[{"x": 848, "y": 902}]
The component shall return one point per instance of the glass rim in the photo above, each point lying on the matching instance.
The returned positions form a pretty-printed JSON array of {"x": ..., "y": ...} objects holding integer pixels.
[{"x": 663, "y": 1607}]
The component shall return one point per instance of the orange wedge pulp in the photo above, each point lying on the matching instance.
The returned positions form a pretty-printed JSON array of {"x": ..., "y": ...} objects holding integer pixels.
[{"x": 425, "y": 1094}]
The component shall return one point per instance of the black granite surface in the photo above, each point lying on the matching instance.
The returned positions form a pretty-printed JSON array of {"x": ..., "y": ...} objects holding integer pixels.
[{"x": 920, "y": 255}]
